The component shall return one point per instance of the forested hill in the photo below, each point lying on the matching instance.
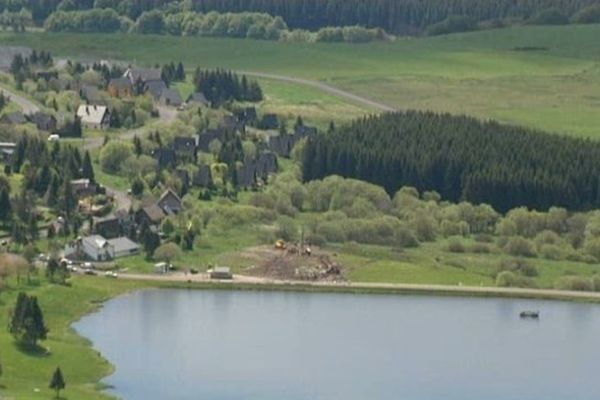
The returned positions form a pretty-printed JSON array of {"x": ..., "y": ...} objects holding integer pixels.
[
  {"x": 395, "y": 16},
  {"x": 461, "y": 158}
]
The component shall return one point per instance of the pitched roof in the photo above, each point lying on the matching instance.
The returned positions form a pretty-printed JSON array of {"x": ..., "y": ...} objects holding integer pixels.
[
  {"x": 168, "y": 193},
  {"x": 42, "y": 120},
  {"x": 16, "y": 118},
  {"x": 95, "y": 241},
  {"x": 144, "y": 74},
  {"x": 184, "y": 143},
  {"x": 92, "y": 114},
  {"x": 155, "y": 88},
  {"x": 154, "y": 212},
  {"x": 123, "y": 244},
  {"x": 90, "y": 93},
  {"x": 171, "y": 96},
  {"x": 120, "y": 83},
  {"x": 197, "y": 97}
]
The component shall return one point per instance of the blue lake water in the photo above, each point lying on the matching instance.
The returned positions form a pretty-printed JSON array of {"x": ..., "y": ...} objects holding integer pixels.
[{"x": 234, "y": 345}]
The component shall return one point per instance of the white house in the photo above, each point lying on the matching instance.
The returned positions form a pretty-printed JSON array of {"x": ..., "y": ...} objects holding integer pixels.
[
  {"x": 94, "y": 116},
  {"x": 97, "y": 248}
]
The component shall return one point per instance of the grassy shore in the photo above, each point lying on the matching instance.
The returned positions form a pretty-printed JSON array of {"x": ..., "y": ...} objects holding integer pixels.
[{"x": 544, "y": 77}]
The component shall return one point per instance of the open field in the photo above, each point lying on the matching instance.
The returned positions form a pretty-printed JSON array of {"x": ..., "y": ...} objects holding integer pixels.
[{"x": 545, "y": 77}]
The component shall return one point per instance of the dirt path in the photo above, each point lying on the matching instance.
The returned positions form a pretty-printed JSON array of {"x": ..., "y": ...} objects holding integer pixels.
[
  {"x": 325, "y": 88},
  {"x": 549, "y": 294}
]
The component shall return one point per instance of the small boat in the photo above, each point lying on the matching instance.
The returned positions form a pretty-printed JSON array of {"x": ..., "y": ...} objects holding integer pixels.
[{"x": 530, "y": 314}]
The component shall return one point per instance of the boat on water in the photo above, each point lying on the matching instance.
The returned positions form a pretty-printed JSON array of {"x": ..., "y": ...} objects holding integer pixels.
[{"x": 530, "y": 314}]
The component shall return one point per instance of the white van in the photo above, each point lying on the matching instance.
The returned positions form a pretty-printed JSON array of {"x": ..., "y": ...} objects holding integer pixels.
[{"x": 53, "y": 138}]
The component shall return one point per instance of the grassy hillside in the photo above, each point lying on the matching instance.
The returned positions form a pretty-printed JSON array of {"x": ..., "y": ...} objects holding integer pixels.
[{"x": 545, "y": 77}]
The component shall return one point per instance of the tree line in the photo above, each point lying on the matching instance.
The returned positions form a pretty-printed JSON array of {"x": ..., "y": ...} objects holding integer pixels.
[
  {"x": 461, "y": 158},
  {"x": 220, "y": 86},
  {"x": 395, "y": 16}
]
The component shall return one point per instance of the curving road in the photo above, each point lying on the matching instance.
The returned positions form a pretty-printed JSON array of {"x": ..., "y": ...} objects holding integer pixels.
[
  {"x": 325, "y": 88},
  {"x": 28, "y": 106}
]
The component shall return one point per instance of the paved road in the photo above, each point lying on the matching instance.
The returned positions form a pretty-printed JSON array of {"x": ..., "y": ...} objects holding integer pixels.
[
  {"x": 325, "y": 88},
  {"x": 28, "y": 106}
]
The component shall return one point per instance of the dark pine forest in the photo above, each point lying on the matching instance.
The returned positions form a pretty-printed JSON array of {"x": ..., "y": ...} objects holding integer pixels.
[{"x": 461, "y": 158}]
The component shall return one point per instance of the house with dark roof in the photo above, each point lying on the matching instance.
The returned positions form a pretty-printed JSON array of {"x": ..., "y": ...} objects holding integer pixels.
[
  {"x": 203, "y": 177},
  {"x": 43, "y": 121},
  {"x": 98, "y": 248},
  {"x": 144, "y": 75},
  {"x": 7, "y": 149},
  {"x": 169, "y": 202},
  {"x": 266, "y": 164},
  {"x": 84, "y": 187},
  {"x": 155, "y": 89},
  {"x": 231, "y": 123},
  {"x": 303, "y": 131},
  {"x": 207, "y": 136},
  {"x": 246, "y": 175},
  {"x": 90, "y": 94},
  {"x": 246, "y": 115},
  {"x": 108, "y": 227},
  {"x": 282, "y": 145},
  {"x": 14, "y": 118},
  {"x": 185, "y": 147},
  {"x": 120, "y": 87},
  {"x": 269, "y": 121},
  {"x": 184, "y": 177},
  {"x": 170, "y": 98},
  {"x": 151, "y": 214},
  {"x": 198, "y": 98},
  {"x": 166, "y": 157}
]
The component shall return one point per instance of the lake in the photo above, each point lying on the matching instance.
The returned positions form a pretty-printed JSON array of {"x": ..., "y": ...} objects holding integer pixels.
[{"x": 234, "y": 345}]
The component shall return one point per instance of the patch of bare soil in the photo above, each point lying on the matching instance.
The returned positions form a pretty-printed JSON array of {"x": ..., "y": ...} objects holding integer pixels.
[{"x": 291, "y": 264}]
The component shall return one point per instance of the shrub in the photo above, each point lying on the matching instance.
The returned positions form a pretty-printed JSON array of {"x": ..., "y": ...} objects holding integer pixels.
[
  {"x": 316, "y": 239},
  {"x": 519, "y": 266},
  {"x": 576, "y": 283},
  {"x": 484, "y": 238},
  {"x": 287, "y": 229},
  {"x": 510, "y": 279},
  {"x": 519, "y": 246},
  {"x": 331, "y": 231},
  {"x": 405, "y": 238},
  {"x": 456, "y": 246},
  {"x": 551, "y": 252},
  {"x": 550, "y": 16},
  {"x": 452, "y": 24},
  {"x": 587, "y": 15},
  {"x": 480, "y": 248}
]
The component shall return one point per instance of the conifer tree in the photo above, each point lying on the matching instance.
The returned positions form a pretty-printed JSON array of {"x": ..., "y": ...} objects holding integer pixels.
[{"x": 57, "y": 383}]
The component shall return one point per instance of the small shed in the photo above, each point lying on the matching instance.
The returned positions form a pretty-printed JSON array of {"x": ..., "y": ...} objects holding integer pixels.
[{"x": 221, "y": 273}]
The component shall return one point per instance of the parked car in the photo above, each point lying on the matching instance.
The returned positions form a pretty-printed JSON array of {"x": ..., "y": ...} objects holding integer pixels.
[{"x": 111, "y": 274}]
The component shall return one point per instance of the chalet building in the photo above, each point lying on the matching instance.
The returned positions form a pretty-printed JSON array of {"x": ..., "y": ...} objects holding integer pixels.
[
  {"x": 206, "y": 137},
  {"x": 246, "y": 175},
  {"x": 144, "y": 75},
  {"x": 170, "y": 203},
  {"x": 155, "y": 89},
  {"x": 120, "y": 87},
  {"x": 282, "y": 145},
  {"x": 94, "y": 116},
  {"x": 198, "y": 98},
  {"x": 151, "y": 214},
  {"x": 185, "y": 147},
  {"x": 170, "y": 98},
  {"x": 14, "y": 118},
  {"x": 84, "y": 187},
  {"x": 166, "y": 158},
  {"x": 43, "y": 121},
  {"x": 203, "y": 177},
  {"x": 98, "y": 248},
  {"x": 269, "y": 121},
  {"x": 90, "y": 94},
  {"x": 266, "y": 164},
  {"x": 184, "y": 177},
  {"x": 108, "y": 227},
  {"x": 7, "y": 150}
]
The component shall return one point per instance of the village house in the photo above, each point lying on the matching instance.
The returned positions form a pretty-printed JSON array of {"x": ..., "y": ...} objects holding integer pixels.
[
  {"x": 203, "y": 177},
  {"x": 14, "y": 118},
  {"x": 184, "y": 177},
  {"x": 170, "y": 203},
  {"x": 155, "y": 89},
  {"x": 43, "y": 121},
  {"x": 84, "y": 187},
  {"x": 120, "y": 87},
  {"x": 269, "y": 121},
  {"x": 198, "y": 98},
  {"x": 185, "y": 147},
  {"x": 171, "y": 98},
  {"x": 90, "y": 94},
  {"x": 7, "y": 150},
  {"x": 207, "y": 136},
  {"x": 143, "y": 75},
  {"x": 151, "y": 214},
  {"x": 94, "y": 116},
  {"x": 166, "y": 158},
  {"x": 97, "y": 248},
  {"x": 108, "y": 227}
]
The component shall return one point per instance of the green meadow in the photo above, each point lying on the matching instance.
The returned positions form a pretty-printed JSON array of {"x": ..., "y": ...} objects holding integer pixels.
[{"x": 544, "y": 77}]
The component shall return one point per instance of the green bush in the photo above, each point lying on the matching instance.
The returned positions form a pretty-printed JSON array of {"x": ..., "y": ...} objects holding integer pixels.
[
  {"x": 480, "y": 248},
  {"x": 452, "y": 24},
  {"x": 587, "y": 15},
  {"x": 550, "y": 16},
  {"x": 316, "y": 239},
  {"x": 456, "y": 246},
  {"x": 519, "y": 246},
  {"x": 332, "y": 231},
  {"x": 510, "y": 279},
  {"x": 576, "y": 283},
  {"x": 551, "y": 252},
  {"x": 405, "y": 238},
  {"x": 519, "y": 266}
]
